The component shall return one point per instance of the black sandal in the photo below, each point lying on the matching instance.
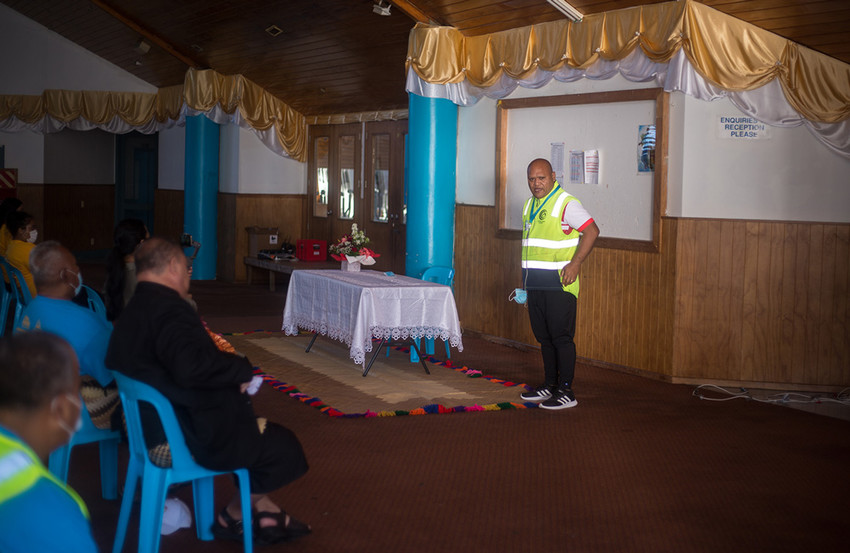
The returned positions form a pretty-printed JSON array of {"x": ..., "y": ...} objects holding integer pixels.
[
  {"x": 233, "y": 530},
  {"x": 282, "y": 531}
]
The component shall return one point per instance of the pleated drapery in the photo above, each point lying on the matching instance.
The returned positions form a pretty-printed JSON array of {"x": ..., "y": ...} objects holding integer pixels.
[
  {"x": 224, "y": 99},
  {"x": 719, "y": 52}
]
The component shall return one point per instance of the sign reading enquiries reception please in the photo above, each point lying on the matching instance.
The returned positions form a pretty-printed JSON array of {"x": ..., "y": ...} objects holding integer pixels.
[{"x": 742, "y": 127}]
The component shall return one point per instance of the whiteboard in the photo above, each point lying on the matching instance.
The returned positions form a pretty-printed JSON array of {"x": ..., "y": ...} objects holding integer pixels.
[{"x": 623, "y": 201}]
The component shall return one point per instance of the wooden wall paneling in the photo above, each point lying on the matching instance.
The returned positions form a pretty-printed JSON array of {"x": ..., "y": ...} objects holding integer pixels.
[
  {"x": 666, "y": 337},
  {"x": 813, "y": 303},
  {"x": 685, "y": 268},
  {"x": 32, "y": 196},
  {"x": 284, "y": 211},
  {"x": 827, "y": 348},
  {"x": 840, "y": 368},
  {"x": 749, "y": 309},
  {"x": 168, "y": 214},
  {"x": 734, "y": 283},
  {"x": 77, "y": 215},
  {"x": 227, "y": 233},
  {"x": 802, "y": 297}
]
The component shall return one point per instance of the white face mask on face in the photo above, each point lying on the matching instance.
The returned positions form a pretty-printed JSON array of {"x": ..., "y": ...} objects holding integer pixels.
[
  {"x": 33, "y": 236},
  {"x": 79, "y": 285},
  {"x": 79, "y": 424}
]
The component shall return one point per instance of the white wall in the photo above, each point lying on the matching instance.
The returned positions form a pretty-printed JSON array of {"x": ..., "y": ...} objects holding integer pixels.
[
  {"x": 171, "y": 158},
  {"x": 789, "y": 176},
  {"x": 33, "y": 59},
  {"x": 245, "y": 165},
  {"x": 25, "y": 152}
]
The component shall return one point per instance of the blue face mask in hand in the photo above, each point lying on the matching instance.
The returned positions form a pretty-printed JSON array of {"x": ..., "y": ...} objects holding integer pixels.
[{"x": 519, "y": 295}]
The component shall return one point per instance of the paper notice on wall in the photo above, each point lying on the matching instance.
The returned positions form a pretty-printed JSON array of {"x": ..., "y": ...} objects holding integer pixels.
[
  {"x": 556, "y": 158},
  {"x": 591, "y": 166},
  {"x": 576, "y": 166}
]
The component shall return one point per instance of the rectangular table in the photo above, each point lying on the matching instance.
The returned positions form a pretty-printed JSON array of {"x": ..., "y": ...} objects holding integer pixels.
[{"x": 353, "y": 307}]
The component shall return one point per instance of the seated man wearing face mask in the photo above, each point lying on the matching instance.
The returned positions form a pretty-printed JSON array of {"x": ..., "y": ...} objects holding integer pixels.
[
  {"x": 39, "y": 410},
  {"x": 24, "y": 234},
  {"x": 58, "y": 280}
]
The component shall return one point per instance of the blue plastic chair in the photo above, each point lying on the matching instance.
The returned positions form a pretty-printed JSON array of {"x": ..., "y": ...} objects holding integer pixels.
[
  {"x": 108, "y": 442},
  {"x": 440, "y": 275},
  {"x": 156, "y": 479},
  {"x": 94, "y": 301},
  {"x": 19, "y": 289},
  {"x": 5, "y": 302}
]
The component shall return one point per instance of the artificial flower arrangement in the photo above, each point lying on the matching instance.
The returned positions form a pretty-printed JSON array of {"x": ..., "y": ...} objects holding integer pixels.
[{"x": 352, "y": 248}]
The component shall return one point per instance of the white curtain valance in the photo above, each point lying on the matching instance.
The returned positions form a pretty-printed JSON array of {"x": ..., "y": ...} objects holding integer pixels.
[{"x": 767, "y": 103}]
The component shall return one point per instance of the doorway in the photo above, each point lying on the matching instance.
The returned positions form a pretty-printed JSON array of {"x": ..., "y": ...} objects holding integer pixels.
[
  {"x": 136, "y": 166},
  {"x": 357, "y": 175}
]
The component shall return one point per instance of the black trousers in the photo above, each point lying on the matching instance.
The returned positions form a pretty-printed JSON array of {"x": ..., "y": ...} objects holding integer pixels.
[{"x": 553, "y": 321}]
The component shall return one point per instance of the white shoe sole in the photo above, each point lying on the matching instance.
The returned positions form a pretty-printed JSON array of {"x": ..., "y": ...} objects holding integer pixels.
[{"x": 558, "y": 407}]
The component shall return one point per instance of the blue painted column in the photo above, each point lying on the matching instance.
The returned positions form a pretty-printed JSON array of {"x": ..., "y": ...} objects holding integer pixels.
[
  {"x": 200, "y": 195},
  {"x": 432, "y": 131}
]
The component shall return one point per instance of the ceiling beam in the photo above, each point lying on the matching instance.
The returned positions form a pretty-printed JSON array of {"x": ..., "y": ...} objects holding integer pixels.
[
  {"x": 414, "y": 12},
  {"x": 148, "y": 34}
]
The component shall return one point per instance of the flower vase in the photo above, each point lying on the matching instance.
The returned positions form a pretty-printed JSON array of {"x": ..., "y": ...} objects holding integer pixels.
[{"x": 352, "y": 267}]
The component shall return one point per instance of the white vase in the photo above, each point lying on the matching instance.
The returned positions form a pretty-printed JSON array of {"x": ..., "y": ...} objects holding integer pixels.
[{"x": 353, "y": 267}]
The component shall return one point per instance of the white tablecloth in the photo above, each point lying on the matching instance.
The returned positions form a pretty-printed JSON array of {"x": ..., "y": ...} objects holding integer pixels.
[{"x": 354, "y": 307}]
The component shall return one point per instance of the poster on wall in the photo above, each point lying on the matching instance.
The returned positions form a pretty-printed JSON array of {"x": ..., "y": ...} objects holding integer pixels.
[
  {"x": 646, "y": 149},
  {"x": 591, "y": 166},
  {"x": 576, "y": 166},
  {"x": 556, "y": 158}
]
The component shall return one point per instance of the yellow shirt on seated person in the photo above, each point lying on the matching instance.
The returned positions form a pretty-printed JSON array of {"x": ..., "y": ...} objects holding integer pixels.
[
  {"x": 18, "y": 254},
  {"x": 5, "y": 238}
]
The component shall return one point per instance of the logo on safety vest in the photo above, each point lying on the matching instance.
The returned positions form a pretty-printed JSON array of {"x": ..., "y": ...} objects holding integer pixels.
[{"x": 542, "y": 216}]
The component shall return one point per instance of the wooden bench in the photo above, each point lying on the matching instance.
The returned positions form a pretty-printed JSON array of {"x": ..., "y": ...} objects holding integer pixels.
[{"x": 283, "y": 267}]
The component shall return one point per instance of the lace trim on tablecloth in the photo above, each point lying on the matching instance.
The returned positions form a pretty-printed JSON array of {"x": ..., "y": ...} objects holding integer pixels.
[{"x": 358, "y": 352}]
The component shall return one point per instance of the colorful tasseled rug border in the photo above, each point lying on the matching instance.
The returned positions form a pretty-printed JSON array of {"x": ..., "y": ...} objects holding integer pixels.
[{"x": 432, "y": 409}]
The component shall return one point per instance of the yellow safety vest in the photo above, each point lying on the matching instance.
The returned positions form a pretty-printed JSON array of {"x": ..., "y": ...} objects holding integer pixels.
[
  {"x": 21, "y": 469},
  {"x": 546, "y": 249}
]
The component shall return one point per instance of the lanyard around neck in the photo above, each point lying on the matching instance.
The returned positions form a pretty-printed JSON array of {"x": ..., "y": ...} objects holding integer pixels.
[{"x": 535, "y": 212}]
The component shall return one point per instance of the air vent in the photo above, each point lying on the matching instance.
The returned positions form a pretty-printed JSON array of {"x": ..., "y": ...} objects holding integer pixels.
[{"x": 273, "y": 30}]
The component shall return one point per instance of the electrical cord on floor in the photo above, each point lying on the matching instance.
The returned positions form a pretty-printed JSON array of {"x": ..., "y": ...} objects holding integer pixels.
[{"x": 842, "y": 397}]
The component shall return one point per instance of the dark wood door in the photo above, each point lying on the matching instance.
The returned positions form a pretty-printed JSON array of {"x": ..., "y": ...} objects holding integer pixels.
[
  {"x": 385, "y": 198},
  {"x": 334, "y": 180},
  {"x": 349, "y": 185}
]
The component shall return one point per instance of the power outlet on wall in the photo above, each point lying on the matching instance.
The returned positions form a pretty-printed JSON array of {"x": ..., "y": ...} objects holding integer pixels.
[{"x": 92, "y": 241}]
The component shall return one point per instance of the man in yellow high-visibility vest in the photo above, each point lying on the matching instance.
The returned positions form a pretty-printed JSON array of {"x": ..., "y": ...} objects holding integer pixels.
[
  {"x": 557, "y": 235},
  {"x": 39, "y": 411}
]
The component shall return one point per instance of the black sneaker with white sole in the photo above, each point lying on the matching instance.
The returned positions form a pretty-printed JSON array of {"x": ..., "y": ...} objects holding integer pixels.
[
  {"x": 561, "y": 399},
  {"x": 540, "y": 393}
]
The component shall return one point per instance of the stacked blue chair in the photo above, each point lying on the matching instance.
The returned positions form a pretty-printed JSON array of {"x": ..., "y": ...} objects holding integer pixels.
[
  {"x": 19, "y": 289},
  {"x": 108, "y": 442},
  {"x": 440, "y": 275},
  {"x": 95, "y": 302},
  {"x": 156, "y": 479},
  {"x": 5, "y": 302}
]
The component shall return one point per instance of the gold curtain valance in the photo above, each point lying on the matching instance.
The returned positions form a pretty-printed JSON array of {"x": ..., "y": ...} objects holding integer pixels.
[
  {"x": 200, "y": 91},
  {"x": 99, "y": 107},
  {"x": 726, "y": 51},
  {"x": 203, "y": 90}
]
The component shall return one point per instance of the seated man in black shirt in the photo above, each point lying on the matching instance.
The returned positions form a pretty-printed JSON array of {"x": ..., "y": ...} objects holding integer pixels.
[{"x": 160, "y": 340}]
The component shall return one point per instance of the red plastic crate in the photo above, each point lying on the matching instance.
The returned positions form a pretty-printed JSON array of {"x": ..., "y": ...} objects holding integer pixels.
[{"x": 311, "y": 250}]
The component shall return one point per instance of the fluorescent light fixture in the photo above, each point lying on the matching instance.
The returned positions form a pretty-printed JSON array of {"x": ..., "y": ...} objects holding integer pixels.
[
  {"x": 566, "y": 9},
  {"x": 381, "y": 9}
]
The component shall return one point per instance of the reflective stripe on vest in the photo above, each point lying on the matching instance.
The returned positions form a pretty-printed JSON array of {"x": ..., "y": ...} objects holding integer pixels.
[
  {"x": 20, "y": 470},
  {"x": 545, "y": 247}
]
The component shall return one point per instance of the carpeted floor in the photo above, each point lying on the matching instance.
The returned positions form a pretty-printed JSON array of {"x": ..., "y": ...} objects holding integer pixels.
[
  {"x": 326, "y": 378},
  {"x": 638, "y": 466}
]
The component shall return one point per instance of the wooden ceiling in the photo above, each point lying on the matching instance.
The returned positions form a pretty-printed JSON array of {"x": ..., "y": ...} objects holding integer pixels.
[{"x": 337, "y": 56}]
